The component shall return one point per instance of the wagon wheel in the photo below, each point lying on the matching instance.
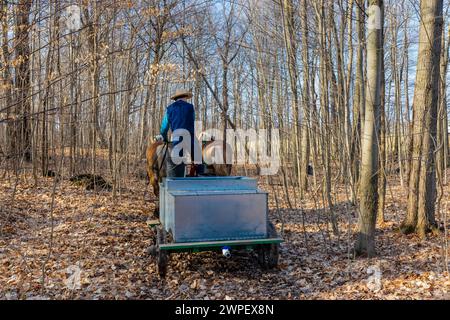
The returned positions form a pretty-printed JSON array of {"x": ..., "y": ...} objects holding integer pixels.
[
  {"x": 162, "y": 257},
  {"x": 268, "y": 253},
  {"x": 156, "y": 211}
]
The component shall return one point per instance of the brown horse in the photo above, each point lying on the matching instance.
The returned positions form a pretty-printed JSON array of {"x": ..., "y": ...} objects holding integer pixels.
[{"x": 157, "y": 153}]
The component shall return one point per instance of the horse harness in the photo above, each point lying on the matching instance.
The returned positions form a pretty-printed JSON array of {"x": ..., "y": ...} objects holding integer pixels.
[{"x": 192, "y": 172}]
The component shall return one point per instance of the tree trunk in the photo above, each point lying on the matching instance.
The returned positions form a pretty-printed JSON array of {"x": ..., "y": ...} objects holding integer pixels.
[
  {"x": 290, "y": 44},
  {"x": 304, "y": 161},
  {"x": 22, "y": 141},
  {"x": 358, "y": 100},
  {"x": 442, "y": 126},
  {"x": 368, "y": 201},
  {"x": 7, "y": 82},
  {"x": 422, "y": 184},
  {"x": 382, "y": 136}
]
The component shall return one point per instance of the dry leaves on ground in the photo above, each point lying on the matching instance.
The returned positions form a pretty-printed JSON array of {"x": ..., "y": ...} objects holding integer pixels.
[{"x": 102, "y": 242}]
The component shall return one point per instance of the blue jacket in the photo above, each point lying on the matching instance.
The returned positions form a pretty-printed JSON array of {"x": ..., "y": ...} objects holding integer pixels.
[{"x": 179, "y": 115}]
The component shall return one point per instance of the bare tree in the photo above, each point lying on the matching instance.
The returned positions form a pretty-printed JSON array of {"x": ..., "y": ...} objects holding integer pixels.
[
  {"x": 22, "y": 134},
  {"x": 369, "y": 163},
  {"x": 422, "y": 181}
]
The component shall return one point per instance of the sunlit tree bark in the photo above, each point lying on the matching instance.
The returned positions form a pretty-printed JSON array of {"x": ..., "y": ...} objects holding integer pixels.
[{"x": 422, "y": 184}]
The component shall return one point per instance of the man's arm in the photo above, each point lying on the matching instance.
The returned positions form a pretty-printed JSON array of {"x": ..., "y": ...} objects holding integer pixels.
[{"x": 164, "y": 127}]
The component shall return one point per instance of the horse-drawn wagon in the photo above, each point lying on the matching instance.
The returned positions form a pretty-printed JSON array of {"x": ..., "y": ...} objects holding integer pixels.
[{"x": 213, "y": 214}]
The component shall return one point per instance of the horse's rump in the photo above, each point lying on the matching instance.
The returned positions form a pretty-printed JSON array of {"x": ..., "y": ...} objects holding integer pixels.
[
  {"x": 157, "y": 154},
  {"x": 159, "y": 163}
]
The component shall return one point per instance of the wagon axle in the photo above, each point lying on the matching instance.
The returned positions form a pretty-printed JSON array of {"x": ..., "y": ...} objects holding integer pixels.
[{"x": 152, "y": 250}]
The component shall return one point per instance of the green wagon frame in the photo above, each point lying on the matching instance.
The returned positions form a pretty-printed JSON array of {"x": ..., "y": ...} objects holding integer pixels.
[{"x": 266, "y": 248}]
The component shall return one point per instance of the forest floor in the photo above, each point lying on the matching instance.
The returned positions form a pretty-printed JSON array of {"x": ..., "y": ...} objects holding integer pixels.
[{"x": 102, "y": 242}]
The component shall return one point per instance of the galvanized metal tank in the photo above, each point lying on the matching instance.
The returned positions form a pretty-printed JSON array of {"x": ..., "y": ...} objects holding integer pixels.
[{"x": 213, "y": 208}]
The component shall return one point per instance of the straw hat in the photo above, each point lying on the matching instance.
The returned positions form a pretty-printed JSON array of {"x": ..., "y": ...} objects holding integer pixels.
[{"x": 182, "y": 94}]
